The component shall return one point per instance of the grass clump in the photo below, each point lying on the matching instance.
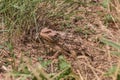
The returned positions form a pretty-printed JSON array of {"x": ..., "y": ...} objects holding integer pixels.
[
  {"x": 115, "y": 70},
  {"x": 18, "y": 15}
]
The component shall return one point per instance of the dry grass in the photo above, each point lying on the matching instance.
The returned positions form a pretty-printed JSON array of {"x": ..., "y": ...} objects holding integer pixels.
[{"x": 23, "y": 54}]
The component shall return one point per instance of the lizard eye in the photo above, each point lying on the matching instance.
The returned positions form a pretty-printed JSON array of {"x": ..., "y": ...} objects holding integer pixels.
[{"x": 47, "y": 32}]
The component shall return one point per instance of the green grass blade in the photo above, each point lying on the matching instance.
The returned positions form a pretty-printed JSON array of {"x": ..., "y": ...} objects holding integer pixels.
[
  {"x": 1, "y": 47},
  {"x": 115, "y": 53},
  {"x": 105, "y": 3},
  {"x": 110, "y": 43},
  {"x": 1, "y": 31}
]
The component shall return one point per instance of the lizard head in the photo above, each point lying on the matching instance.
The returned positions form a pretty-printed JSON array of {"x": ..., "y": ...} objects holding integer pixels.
[{"x": 49, "y": 35}]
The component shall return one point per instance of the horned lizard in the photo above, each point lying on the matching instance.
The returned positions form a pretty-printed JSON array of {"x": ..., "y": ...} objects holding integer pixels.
[{"x": 63, "y": 42}]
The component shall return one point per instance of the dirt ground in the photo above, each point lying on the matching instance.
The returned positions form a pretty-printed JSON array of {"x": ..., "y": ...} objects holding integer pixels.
[{"x": 87, "y": 27}]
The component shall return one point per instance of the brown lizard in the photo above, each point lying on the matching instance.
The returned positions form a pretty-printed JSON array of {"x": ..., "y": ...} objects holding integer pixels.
[{"x": 63, "y": 42}]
